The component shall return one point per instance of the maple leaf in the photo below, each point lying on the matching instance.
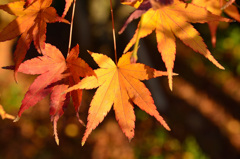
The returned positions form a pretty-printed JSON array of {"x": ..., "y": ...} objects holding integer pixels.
[
  {"x": 56, "y": 74},
  {"x": 120, "y": 86},
  {"x": 31, "y": 23},
  {"x": 170, "y": 20},
  {"x": 218, "y": 7}
]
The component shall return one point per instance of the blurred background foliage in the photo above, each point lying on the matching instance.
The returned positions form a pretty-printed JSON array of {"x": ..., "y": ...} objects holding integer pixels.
[{"x": 202, "y": 110}]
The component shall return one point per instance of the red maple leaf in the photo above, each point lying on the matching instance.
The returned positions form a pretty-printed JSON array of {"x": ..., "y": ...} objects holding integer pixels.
[
  {"x": 31, "y": 23},
  {"x": 56, "y": 74}
]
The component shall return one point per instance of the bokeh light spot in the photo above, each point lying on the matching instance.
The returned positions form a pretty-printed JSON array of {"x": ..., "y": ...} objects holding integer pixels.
[{"x": 71, "y": 130}]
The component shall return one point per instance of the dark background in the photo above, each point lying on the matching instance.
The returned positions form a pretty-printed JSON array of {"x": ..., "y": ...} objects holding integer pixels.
[{"x": 202, "y": 110}]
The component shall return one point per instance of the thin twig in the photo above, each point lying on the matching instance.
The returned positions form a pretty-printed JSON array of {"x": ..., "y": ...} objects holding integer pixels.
[
  {"x": 114, "y": 35},
  {"x": 71, "y": 27}
]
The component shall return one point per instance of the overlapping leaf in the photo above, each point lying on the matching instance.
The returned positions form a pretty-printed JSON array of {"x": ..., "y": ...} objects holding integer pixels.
[
  {"x": 170, "y": 20},
  {"x": 55, "y": 75},
  {"x": 31, "y": 23},
  {"x": 216, "y": 7},
  {"x": 120, "y": 86}
]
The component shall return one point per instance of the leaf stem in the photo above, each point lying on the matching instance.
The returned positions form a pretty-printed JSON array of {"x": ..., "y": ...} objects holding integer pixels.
[
  {"x": 114, "y": 35},
  {"x": 71, "y": 27}
]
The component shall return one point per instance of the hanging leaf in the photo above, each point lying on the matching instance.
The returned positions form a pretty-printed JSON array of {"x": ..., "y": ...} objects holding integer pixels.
[
  {"x": 31, "y": 24},
  {"x": 170, "y": 20},
  {"x": 216, "y": 7},
  {"x": 55, "y": 75},
  {"x": 120, "y": 86}
]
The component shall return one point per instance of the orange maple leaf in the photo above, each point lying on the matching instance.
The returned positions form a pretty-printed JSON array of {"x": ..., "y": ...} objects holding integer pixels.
[
  {"x": 119, "y": 85},
  {"x": 31, "y": 24},
  {"x": 218, "y": 7},
  {"x": 170, "y": 20},
  {"x": 56, "y": 75}
]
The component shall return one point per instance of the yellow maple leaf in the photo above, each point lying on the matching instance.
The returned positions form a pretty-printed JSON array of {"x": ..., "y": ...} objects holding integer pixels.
[{"x": 173, "y": 20}]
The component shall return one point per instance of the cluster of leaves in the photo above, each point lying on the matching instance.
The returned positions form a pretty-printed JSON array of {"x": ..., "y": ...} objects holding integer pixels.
[{"x": 119, "y": 82}]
